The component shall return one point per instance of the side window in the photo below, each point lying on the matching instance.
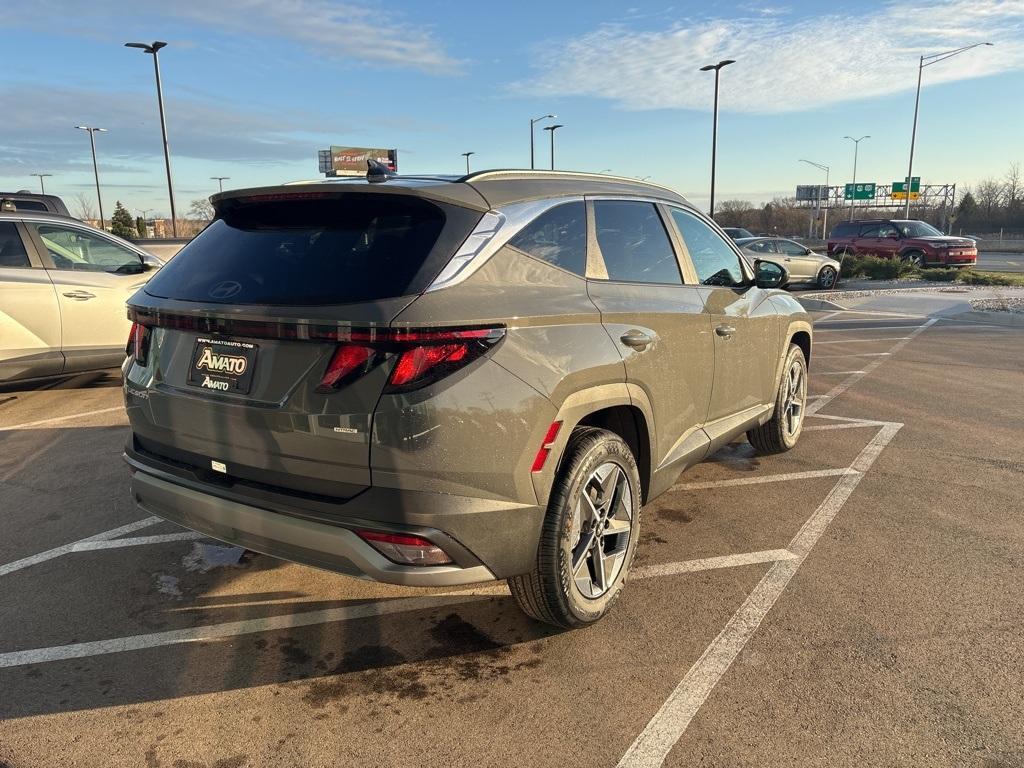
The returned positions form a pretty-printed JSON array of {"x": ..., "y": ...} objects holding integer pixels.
[
  {"x": 557, "y": 236},
  {"x": 791, "y": 249},
  {"x": 12, "y": 250},
  {"x": 716, "y": 263},
  {"x": 29, "y": 205},
  {"x": 634, "y": 243},
  {"x": 760, "y": 246},
  {"x": 870, "y": 230},
  {"x": 80, "y": 250},
  {"x": 888, "y": 230}
]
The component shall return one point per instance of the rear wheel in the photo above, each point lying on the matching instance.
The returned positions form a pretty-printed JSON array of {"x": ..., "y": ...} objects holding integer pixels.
[
  {"x": 589, "y": 535},
  {"x": 781, "y": 432},
  {"x": 828, "y": 277}
]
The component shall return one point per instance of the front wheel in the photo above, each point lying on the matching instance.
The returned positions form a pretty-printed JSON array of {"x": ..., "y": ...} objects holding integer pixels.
[
  {"x": 828, "y": 277},
  {"x": 589, "y": 535},
  {"x": 782, "y": 430},
  {"x": 914, "y": 258}
]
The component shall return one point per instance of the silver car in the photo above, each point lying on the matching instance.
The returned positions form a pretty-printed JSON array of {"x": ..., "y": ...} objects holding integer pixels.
[
  {"x": 63, "y": 288},
  {"x": 803, "y": 264}
]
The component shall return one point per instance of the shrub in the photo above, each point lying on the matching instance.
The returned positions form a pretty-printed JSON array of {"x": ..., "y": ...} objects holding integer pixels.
[
  {"x": 876, "y": 268},
  {"x": 970, "y": 277},
  {"x": 939, "y": 275}
]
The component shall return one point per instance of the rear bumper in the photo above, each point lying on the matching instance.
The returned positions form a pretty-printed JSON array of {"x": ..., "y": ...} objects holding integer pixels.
[{"x": 486, "y": 539}]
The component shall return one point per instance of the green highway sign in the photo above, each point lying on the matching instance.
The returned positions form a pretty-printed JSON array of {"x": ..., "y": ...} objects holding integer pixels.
[
  {"x": 901, "y": 186},
  {"x": 860, "y": 192}
]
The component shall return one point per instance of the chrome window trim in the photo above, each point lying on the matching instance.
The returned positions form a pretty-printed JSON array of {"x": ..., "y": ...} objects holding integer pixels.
[{"x": 493, "y": 231}]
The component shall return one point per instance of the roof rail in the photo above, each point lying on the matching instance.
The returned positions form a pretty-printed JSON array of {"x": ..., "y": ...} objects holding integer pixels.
[{"x": 531, "y": 172}]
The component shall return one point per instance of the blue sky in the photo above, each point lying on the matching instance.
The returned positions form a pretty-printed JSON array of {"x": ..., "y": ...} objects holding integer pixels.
[{"x": 255, "y": 87}]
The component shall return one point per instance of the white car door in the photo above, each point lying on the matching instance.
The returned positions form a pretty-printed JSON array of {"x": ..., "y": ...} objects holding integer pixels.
[
  {"x": 93, "y": 276},
  {"x": 29, "y": 315}
]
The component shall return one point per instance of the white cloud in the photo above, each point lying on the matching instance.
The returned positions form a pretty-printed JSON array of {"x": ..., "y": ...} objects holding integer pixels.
[
  {"x": 337, "y": 29},
  {"x": 782, "y": 65}
]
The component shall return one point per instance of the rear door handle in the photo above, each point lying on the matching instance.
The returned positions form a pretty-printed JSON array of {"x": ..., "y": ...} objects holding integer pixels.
[
  {"x": 725, "y": 330},
  {"x": 636, "y": 339},
  {"x": 80, "y": 295}
]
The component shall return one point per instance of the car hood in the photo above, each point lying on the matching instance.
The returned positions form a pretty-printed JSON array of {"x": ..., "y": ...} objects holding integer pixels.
[{"x": 943, "y": 240}]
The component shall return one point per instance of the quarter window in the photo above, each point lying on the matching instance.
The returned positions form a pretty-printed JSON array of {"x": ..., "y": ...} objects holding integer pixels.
[
  {"x": 761, "y": 246},
  {"x": 634, "y": 243},
  {"x": 80, "y": 250},
  {"x": 557, "y": 236},
  {"x": 12, "y": 250},
  {"x": 716, "y": 263}
]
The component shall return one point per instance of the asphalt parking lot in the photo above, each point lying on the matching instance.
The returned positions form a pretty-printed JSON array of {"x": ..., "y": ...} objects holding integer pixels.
[{"x": 857, "y": 601}]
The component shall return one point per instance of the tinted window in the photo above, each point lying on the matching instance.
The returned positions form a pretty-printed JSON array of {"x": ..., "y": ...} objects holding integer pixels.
[
  {"x": 321, "y": 251},
  {"x": 29, "y": 205},
  {"x": 558, "y": 236},
  {"x": 78, "y": 249},
  {"x": 844, "y": 230},
  {"x": 760, "y": 246},
  {"x": 791, "y": 249},
  {"x": 12, "y": 250},
  {"x": 870, "y": 230},
  {"x": 634, "y": 243},
  {"x": 716, "y": 263}
]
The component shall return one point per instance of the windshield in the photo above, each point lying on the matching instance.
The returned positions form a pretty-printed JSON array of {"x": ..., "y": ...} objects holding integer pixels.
[{"x": 917, "y": 229}]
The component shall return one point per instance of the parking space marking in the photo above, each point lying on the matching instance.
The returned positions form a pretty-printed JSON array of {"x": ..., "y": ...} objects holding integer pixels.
[
  {"x": 136, "y": 541},
  {"x": 662, "y": 732},
  {"x": 827, "y": 427},
  {"x": 50, "y": 554},
  {"x": 854, "y": 354},
  {"x": 862, "y": 341},
  {"x": 59, "y": 419},
  {"x": 869, "y": 328},
  {"x": 374, "y": 608},
  {"x": 837, "y": 373},
  {"x": 759, "y": 479},
  {"x": 844, "y": 385}
]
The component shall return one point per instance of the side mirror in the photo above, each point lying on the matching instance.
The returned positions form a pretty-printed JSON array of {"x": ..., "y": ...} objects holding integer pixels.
[{"x": 768, "y": 274}]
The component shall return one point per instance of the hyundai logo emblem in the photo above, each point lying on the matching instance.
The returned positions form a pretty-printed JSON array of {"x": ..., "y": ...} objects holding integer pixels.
[{"x": 225, "y": 290}]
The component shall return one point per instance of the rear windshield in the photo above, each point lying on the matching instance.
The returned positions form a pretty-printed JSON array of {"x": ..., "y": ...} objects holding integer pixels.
[{"x": 309, "y": 251}]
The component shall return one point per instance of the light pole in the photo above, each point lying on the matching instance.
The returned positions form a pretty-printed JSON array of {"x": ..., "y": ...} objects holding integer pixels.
[
  {"x": 42, "y": 187},
  {"x": 714, "y": 129},
  {"x": 220, "y": 180},
  {"x": 153, "y": 48},
  {"x": 553, "y": 128},
  {"x": 95, "y": 168},
  {"x": 856, "y": 146},
  {"x": 466, "y": 155},
  {"x": 532, "y": 121},
  {"x": 926, "y": 61},
  {"x": 824, "y": 219}
]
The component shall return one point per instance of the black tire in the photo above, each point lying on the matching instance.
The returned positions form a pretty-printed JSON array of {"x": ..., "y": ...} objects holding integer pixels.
[
  {"x": 550, "y": 593},
  {"x": 777, "y": 434},
  {"x": 915, "y": 259},
  {"x": 828, "y": 278}
]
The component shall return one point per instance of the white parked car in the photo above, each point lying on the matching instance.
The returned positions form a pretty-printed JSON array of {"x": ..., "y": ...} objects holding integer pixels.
[{"x": 63, "y": 288}]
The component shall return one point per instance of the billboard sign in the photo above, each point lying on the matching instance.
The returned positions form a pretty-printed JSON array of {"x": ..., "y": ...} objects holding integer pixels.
[
  {"x": 351, "y": 161},
  {"x": 859, "y": 192},
  {"x": 811, "y": 193}
]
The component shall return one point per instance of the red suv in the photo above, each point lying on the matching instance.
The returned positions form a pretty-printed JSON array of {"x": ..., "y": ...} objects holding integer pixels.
[{"x": 915, "y": 241}]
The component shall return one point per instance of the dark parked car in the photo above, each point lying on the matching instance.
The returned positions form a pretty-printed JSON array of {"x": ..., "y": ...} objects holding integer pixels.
[
  {"x": 917, "y": 242},
  {"x": 24, "y": 200},
  {"x": 436, "y": 381}
]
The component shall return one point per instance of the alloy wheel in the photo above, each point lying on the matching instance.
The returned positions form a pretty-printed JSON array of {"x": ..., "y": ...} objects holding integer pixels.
[
  {"x": 794, "y": 399},
  {"x": 602, "y": 522}
]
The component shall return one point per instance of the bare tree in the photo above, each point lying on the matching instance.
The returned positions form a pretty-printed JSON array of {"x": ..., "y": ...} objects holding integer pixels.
[
  {"x": 85, "y": 207},
  {"x": 201, "y": 209},
  {"x": 1012, "y": 189},
  {"x": 989, "y": 196}
]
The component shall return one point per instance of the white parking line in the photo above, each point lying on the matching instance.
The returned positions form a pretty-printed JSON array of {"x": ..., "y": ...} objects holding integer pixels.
[
  {"x": 50, "y": 554},
  {"x": 870, "y": 328},
  {"x": 345, "y": 613},
  {"x": 759, "y": 479},
  {"x": 825, "y": 427},
  {"x": 854, "y": 354},
  {"x": 863, "y": 341},
  {"x": 59, "y": 419},
  {"x": 136, "y": 541},
  {"x": 837, "y": 373},
  {"x": 653, "y": 744}
]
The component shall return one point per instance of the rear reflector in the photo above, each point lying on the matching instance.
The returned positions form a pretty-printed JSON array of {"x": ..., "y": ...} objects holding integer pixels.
[
  {"x": 545, "y": 447},
  {"x": 405, "y": 549}
]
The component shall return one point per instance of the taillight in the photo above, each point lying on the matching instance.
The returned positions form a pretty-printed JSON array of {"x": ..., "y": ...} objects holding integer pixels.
[
  {"x": 423, "y": 355},
  {"x": 138, "y": 343},
  {"x": 405, "y": 548}
]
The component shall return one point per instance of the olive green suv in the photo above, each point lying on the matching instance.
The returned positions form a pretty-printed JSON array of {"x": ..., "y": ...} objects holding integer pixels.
[{"x": 435, "y": 381}]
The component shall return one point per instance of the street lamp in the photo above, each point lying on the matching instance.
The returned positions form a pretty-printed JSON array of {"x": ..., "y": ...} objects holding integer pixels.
[
  {"x": 856, "y": 146},
  {"x": 95, "y": 168},
  {"x": 714, "y": 130},
  {"x": 466, "y": 155},
  {"x": 553, "y": 128},
  {"x": 537, "y": 120},
  {"x": 824, "y": 219},
  {"x": 42, "y": 187},
  {"x": 153, "y": 49},
  {"x": 926, "y": 61},
  {"x": 220, "y": 180}
]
